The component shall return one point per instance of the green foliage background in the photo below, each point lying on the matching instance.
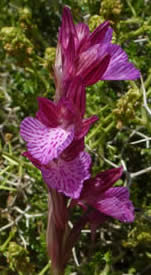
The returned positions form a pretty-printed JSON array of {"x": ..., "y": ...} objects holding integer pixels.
[{"x": 28, "y": 37}]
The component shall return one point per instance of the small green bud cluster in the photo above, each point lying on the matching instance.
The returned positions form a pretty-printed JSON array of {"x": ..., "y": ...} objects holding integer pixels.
[
  {"x": 95, "y": 21},
  {"x": 110, "y": 9},
  {"x": 18, "y": 258},
  {"x": 15, "y": 43},
  {"x": 126, "y": 107}
]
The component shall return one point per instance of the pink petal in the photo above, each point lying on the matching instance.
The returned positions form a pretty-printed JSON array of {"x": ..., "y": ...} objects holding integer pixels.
[
  {"x": 68, "y": 176},
  {"x": 108, "y": 36},
  {"x": 97, "y": 71},
  {"x": 89, "y": 58},
  {"x": 43, "y": 143},
  {"x": 83, "y": 35},
  {"x": 107, "y": 178},
  {"x": 67, "y": 113},
  {"x": 98, "y": 35},
  {"x": 121, "y": 210},
  {"x": 68, "y": 57},
  {"x": 119, "y": 68},
  {"x": 34, "y": 161},
  {"x": 92, "y": 64},
  {"x": 73, "y": 150},
  {"x": 76, "y": 94},
  {"x": 86, "y": 124},
  {"x": 48, "y": 112},
  {"x": 67, "y": 28},
  {"x": 121, "y": 193},
  {"x": 95, "y": 187},
  {"x": 82, "y": 31}
]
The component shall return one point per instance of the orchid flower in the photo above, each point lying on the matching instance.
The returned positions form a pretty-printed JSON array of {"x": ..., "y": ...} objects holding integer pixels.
[
  {"x": 55, "y": 145},
  {"x": 100, "y": 201},
  {"x": 92, "y": 56},
  {"x": 110, "y": 201}
]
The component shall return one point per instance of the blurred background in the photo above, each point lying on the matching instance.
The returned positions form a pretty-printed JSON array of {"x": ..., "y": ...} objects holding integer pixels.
[{"x": 28, "y": 38}]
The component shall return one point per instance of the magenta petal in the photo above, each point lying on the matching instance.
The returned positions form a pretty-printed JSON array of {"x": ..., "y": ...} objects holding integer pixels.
[
  {"x": 68, "y": 176},
  {"x": 107, "y": 178},
  {"x": 82, "y": 31},
  {"x": 119, "y": 68},
  {"x": 94, "y": 188},
  {"x": 73, "y": 150},
  {"x": 83, "y": 42},
  {"x": 86, "y": 124},
  {"x": 115, "y": 202},
  {"x": 67, "y": 113},
  {"x": 108, "y": 36},
  {"x": 96, "y": 72},
  {"x": 43, "y": 143},
  {"x": 76, "y": 94},
  {"x": 112, "y": 202},
  {"x": 34, "y": 161},
  {"x": 67, "y": 28},
  {"x": 116, "y": 208},
  {"x": 89, "y": 58},
  {"x": 121, "y": 193},
  {"x": 92, "y": 64},
  {"x": 68, "y": 57},
  {"x": 48, "y": 112},
  {"x": 99, "y": 33}
]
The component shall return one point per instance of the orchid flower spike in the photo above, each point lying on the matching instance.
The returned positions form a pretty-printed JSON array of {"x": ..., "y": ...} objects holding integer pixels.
[{"x": 92, "y": 56}]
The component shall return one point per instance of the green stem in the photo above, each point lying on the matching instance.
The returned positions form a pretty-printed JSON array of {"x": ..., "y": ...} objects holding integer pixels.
[
  {"x": 107, "y": 118},
  {"x": 109, "y": 127},
  {"x": 42, "y": 272},
  {"x": 131, "y": 8},
  {"x": 133, "y": 84},
  {"x": 11, "y": 189},
  {"x": 132, "y": 20},
  {"x": 137, "y": 32},
  {"x": 148, "y": 81},
  {"x": 94, "y": 132},
  {"x": 5, "y": 170},
  {"x": 106, "y": 270},
  {"x": 11, "y": 235},
  {"x": 103, "y": 109},
  {"x": 148, "y": 92}
]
